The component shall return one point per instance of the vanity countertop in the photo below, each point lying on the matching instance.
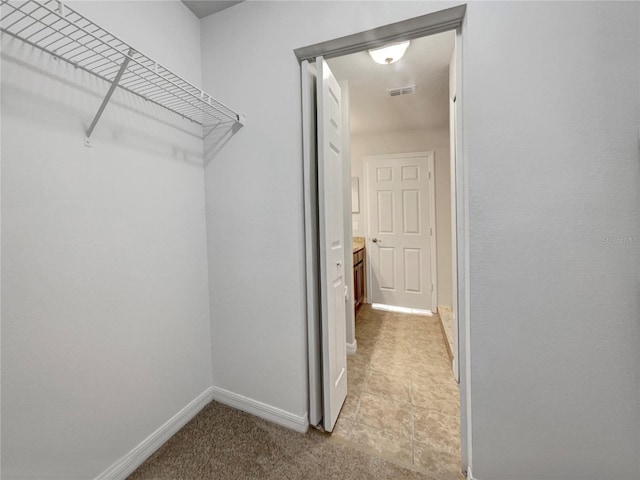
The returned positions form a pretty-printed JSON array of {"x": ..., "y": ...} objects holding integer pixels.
[{"x": 358, "y": 244}]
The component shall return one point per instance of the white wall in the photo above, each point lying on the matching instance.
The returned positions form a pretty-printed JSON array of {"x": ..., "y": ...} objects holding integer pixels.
[
  {"x": 551, "y": 140},
  {"x": 552, "y": 115},
  {"x": 105, "y": 319},
  {"x": 406, "y": 142}
]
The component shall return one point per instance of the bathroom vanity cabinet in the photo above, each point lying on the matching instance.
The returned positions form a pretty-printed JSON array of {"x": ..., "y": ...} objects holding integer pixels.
[{"x": 359, "y": 277}]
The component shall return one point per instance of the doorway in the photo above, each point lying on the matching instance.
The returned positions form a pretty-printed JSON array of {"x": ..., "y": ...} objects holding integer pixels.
[
  {"x": 433, "y": 24},
  {"x": 402, "y": 401}
]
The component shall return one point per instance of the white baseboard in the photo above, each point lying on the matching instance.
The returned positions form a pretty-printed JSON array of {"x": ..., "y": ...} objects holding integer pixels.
[
  {"x": 352, "y": 348},
  {"x": 470, "y": 475},
  {"x": 132, "y": 460},
  {"x": 262, "y": 410}
]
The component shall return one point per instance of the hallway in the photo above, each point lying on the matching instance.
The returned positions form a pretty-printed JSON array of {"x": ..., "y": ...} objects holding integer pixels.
[{"x": 403, "y": 402}]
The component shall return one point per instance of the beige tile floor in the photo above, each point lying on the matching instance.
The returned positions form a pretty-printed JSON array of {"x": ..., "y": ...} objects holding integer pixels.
[{"x": 403, "y": 402}]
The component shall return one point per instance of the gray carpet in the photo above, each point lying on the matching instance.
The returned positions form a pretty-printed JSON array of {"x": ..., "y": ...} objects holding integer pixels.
[{"x": 222, "y": 443}]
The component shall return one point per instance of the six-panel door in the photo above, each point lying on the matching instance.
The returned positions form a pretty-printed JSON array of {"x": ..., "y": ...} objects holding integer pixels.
[{"x": 399, "y": 228}]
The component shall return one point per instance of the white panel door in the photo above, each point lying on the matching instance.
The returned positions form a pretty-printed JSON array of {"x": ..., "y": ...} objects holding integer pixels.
[
  {"x": 331, "y": 226},
  {"x": 310, "y": 168},
  {"x": 399, "y": 206}
]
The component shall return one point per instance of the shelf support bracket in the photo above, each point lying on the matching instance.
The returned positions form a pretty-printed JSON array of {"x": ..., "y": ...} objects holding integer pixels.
[{"x": 114, "y": 84}]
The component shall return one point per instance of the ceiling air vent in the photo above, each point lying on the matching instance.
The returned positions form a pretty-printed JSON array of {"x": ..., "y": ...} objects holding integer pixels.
[{"x": 396, "y": 92}]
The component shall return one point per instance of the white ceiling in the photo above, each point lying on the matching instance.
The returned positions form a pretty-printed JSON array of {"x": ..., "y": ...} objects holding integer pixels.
[
  {"x": 425, "y": 64},
  {"x": 204, "y": 8}
]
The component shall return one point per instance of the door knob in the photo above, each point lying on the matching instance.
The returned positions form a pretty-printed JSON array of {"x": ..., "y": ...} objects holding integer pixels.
[
  {"x": 375, "y": 240},
  {"x": 339, "y": 263}
]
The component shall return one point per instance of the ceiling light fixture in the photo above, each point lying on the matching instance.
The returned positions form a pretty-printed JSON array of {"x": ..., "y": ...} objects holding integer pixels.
[{"x": 389, "y": 53}]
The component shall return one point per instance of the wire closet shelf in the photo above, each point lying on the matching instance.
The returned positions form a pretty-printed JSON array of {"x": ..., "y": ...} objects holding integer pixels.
[{"x": 65, "y": 34}]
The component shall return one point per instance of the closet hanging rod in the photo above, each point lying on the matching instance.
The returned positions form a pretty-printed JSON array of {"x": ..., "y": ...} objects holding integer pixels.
[{"x": 53, "y": 27}]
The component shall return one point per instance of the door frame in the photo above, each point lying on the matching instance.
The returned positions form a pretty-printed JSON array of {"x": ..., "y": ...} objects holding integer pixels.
[
  {"x": 429, "y": 24},
  {"x": 432, "y": 217}
]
